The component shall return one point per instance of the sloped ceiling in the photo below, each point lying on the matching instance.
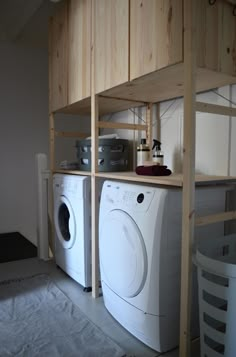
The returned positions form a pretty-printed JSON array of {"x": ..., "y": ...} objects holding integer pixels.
[{"x": 25, "y": 21}]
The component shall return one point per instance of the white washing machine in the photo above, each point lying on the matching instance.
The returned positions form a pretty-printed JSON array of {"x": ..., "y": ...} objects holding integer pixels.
[
  {"x": 139, "y": 249},
  {"x": 72, "y": 226}
]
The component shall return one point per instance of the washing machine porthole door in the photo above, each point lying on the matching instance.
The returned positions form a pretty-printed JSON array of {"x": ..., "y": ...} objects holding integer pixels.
[
  {"x": 65, "y": 223},
  {"x": 123, "y": 256}
]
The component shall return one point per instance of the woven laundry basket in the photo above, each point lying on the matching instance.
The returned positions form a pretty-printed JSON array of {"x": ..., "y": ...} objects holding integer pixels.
[{"x": 216, "y": 261}]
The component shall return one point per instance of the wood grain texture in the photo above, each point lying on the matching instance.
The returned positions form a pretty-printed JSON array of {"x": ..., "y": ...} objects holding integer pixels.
[
  {"x": 58, "y": 86},
  {"x": 79, "y": 49},
  {"x": 215, "y": 109},
  {"x": 188, "y": 197},
  {"x": 126, "y": 126},
  {"x": 94, "y": 194},
  {"x": 111, "y": 43},
  {"x": 52, "y": 141},
  {"x": 154, "y": 87},
  {"x": 168, "y": 83},
  {"x": 155, "y": 35},
  {"x": 214, "y": 218},
  {"x": 72, "y": 172},
  {"x": 175, "y": 180},
  {"x": 216, "y": 37}
]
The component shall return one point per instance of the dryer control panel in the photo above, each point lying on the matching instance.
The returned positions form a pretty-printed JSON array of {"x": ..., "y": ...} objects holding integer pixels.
[{"x": 126, "y": 195}]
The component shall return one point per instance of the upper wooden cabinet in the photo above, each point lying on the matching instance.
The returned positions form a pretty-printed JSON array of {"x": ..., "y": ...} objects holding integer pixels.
[
  {"x": 156, "y": 38},
  {"x": 79, "y": 49},
  {"x": 70, "y": 53},
  {"x": 216, "y": 36},
  {"x": 58, "y": 75},
  {"x": 136, "y": 49},
  {"x": 111, "y": 43}
]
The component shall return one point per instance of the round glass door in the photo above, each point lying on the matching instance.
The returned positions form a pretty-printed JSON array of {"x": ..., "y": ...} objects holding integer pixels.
[
  {"x": 123, "y": 256},
  {"x": 65, "y": 222}
]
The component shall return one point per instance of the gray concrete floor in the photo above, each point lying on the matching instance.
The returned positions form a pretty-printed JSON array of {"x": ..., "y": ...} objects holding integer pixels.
[{"x": 93, "y": 308}]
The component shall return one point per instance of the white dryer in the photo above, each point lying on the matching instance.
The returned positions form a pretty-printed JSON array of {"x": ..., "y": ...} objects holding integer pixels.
[
  {"x": 139, "y": 249},
  {"x": 72, "y": 226}
]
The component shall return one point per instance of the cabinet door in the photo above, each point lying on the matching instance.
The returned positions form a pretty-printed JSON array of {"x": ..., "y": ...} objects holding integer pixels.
[
  {"x": 111, "y": 41},
  {"x": 58, "y": 59},
  {"x": 155, "y": 35},
  {"x": 79, "y": 49},
  {"x": 216, "y": 36}
]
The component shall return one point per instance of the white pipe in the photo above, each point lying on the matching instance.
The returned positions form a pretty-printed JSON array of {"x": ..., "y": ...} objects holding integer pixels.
[{"x": 42, "y": 212}]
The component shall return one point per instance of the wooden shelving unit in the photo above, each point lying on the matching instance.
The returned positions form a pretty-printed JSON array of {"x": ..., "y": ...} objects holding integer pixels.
[
  {"x": 186, "y": 72},
  {"x": 175, "y": 180}
]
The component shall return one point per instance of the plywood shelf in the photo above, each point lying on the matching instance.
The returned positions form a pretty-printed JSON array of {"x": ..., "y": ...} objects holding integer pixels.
[
  {"x": 106, "y": 104},
  {"x": 175, "y": 180},
  {"x": 72, "y": 172},
  {"x": 158, "y": 86},
  {"x": 168, "y": 83}
]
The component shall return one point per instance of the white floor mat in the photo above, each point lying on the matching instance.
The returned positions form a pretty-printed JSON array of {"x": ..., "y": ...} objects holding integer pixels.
[{"x": 37, "y": 319}]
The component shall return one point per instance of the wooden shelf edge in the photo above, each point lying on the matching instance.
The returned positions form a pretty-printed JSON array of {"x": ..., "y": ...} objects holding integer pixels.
[
  {"x": 71, "y": 172},
  {"x": 157, "y": 86},
  {"x": 175, "y": 180},
  {"x": 172, "y": 180}
]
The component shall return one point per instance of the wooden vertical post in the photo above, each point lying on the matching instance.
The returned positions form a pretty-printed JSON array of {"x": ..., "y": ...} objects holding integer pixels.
[
  {"x": 149, "y": 124},
  {"x": 188, "y": 205},
  {"x": 94, "y": 158},
  {"x": 158, "y": 120},
  {"x": 52, "y": 141},
  {"x": 52, "y": 168},
  {"x": 94, "y": 197}
]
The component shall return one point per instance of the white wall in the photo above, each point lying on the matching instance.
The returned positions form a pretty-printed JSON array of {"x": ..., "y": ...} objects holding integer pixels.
[
  {"x": 23, "y": 133},
  {"x": 215, "y": 135}
]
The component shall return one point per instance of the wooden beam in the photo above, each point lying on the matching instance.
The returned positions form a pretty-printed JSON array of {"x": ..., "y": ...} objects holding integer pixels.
[
  {"x": 188, "y": 175},
  {"x": 52, "y": 166},
  {"x": 52, "y": 141},
  {"x": 214, "y": 218},
  {"x": 215, "y": 109},
  {"x": 72, "y": 134},
  {"x": 72, "y": 172},
  {"x": 94, "y": 164},
  {"x": 113, "y": 125},
  {"x": 94, "y": 200},
  {"x": 123, "y": 99}
]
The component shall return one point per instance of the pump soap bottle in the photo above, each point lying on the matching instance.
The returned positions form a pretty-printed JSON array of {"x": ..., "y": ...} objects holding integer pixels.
[
  {"x": 158, "y": 156},
  {"x": 142, "y": 153}
]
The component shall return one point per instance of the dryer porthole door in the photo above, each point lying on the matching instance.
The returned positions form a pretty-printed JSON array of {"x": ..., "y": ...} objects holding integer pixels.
[
  {"x": 65, "y": 222},
  {"x": 123, "y": 256}
]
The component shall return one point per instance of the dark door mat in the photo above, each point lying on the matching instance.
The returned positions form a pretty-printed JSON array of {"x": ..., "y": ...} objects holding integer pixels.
[{"x": 13, "y": 246}]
